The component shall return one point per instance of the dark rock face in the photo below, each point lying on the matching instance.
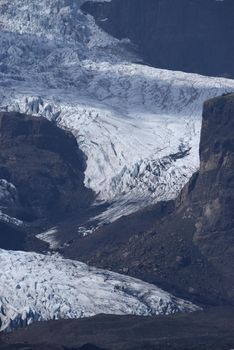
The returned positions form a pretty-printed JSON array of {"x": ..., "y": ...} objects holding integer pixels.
[
  {"x": 46, "y": 167},
  {"x": 185, "y": 246},
  {"x": 11, "y": 237},
  {"x": 188, "y": 35},
  {"x": 211, "y": 329},
  {"x": 211, "y": 201}
]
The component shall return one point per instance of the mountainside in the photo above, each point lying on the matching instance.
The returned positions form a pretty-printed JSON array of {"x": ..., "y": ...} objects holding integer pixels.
[
  {"x": 186, "y": 245},
  {"x": 84, "y": 80},
  {"x": 187, "y": 35},
  {"x": 103, "y": 160}
]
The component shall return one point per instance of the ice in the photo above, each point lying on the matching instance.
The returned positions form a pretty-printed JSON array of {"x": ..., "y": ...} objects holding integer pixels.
[
  {"x": 138, "y": 126},
  {"x": 36, "y": 287}
]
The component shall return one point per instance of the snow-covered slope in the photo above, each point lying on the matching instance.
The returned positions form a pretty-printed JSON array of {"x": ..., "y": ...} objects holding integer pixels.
[
  {"x": 138, "y": 126},
  {"x": 37, "y": 287}
]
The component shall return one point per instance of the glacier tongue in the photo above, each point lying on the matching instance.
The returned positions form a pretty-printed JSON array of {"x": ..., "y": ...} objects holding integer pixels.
[
  {"x": 43, "y": 287},
  {"x": 138, "y": 126}
]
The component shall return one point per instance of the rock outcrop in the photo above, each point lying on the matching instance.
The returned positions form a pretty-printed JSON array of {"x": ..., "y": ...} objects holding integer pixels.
[
  {"x": 41, "y": 171},
  {"x": 188, "y": 35},
  {"x": 186, "y": 245}
]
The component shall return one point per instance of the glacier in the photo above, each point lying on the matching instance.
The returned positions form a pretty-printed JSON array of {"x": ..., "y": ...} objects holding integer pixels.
[
  {"x": 35, "y": 287},
  {"x": 138, "y": 126}
]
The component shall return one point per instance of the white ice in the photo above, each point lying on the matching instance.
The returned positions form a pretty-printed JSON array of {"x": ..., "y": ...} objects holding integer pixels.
[{"x": 36, "y": 287}]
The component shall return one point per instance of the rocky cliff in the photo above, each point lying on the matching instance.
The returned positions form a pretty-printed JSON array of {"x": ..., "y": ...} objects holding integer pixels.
[
  {"x": 210, "y": 194},
  {"x": 188, "y": 35}
]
